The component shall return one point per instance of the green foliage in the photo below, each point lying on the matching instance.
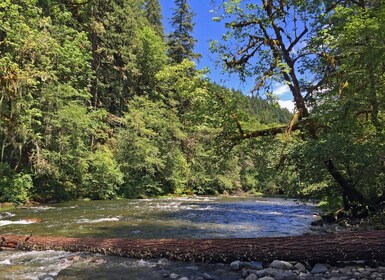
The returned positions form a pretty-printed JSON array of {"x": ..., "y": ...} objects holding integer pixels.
[
  {"x": 154, "y": 16},
  {"x": 91, "y": 108},
  {"x": 181, "y": 42},
  {"x": 149, "y": 149},
  {"x": 103, "y": 176},
  {"x": 331, "y": 55},
  {"x": 151, "y": 59},
  {"x": 14, "y": 187}
]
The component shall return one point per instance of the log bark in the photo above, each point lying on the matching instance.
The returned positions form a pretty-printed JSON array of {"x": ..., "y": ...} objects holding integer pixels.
[{"x": 319, "y": 248}]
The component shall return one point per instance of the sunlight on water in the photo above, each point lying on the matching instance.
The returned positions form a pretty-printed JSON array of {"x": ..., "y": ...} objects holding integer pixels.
[{"x": 197, "y": 217}]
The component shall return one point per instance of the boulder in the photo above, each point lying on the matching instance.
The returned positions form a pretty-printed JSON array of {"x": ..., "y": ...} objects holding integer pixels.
[
  {"x": 252, "y": 277},
  {"x": 261, "y": 273},
  {"x": 46, "y": 277},
  {"x": 319, "y": 269},
  {"x": 318, "y": 223},
  {"x": 285, "y": 275},
  {"x": 246, "y": 272},
  {"x": 281, "y": 265},
  {"x": 236, "y": 265},
  {"x": 253, "y": 265},
  {"x": 300, "y": 267}
]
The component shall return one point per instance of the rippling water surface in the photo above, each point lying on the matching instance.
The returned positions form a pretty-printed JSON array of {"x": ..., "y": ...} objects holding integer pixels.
[{"x": 200, "y": 217}]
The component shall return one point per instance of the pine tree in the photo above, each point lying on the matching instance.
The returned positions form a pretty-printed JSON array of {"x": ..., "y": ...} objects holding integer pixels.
[
  {"x": 180, "y": 42},
  {"x": 154, "y": 16}
]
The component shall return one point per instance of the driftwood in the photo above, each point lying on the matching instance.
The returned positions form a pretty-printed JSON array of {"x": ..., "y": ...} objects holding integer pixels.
[{"x": 318, "y": 248}]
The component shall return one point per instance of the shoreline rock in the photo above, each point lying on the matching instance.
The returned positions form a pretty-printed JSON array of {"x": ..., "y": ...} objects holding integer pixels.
[{"x": 282, "y": 270}]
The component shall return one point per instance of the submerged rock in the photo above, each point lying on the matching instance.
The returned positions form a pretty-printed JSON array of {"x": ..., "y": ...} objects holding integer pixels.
[{"x": 207, "y": 276}]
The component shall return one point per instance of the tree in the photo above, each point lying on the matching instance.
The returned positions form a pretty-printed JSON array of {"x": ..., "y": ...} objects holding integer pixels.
[
  {"x": 352, "y": 104},
  {"x": 181, "y": 42},
  {"x": 301, "y": 44},
  {"x": 350, "y": 246},
  {"x": 154, "y": 16}
]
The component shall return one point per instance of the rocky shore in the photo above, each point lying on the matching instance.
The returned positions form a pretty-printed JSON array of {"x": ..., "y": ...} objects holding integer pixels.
[{"x": 282, "y": 270}]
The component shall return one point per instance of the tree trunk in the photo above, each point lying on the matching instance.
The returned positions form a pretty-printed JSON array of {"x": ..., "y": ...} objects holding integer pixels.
[
  {"x": 319, "y": 248},
  {"x": 351, "y": 192}
]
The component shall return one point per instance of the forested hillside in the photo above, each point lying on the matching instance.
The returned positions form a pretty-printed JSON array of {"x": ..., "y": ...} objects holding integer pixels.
[{"x": 96, "y": 101}]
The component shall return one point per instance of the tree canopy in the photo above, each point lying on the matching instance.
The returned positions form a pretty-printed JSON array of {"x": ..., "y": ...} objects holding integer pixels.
[{"x": 329, "y": 56}]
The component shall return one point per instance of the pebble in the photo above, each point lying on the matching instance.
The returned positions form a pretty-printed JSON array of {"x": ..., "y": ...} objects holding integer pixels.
[{"x": 174, "y": 276}]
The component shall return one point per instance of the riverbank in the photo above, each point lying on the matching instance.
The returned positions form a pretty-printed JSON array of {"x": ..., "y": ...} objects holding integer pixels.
[
  {"x": 282, "y": 270},
  {"x": 60, "y": 265}
]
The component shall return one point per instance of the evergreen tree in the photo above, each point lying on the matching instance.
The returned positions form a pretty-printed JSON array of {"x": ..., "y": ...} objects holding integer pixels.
[
  {"x": 180, "y": 42},
  {"x": 154, "y": 16}
]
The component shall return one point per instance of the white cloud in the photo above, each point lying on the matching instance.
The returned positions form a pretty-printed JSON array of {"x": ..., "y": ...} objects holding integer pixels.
[
  {"x": 288, "y": 104},
  {"x": 281, "y": 90}
]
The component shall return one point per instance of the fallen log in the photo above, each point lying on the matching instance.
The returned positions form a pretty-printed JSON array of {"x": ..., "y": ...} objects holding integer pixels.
[{"x": 346, "y": 246}]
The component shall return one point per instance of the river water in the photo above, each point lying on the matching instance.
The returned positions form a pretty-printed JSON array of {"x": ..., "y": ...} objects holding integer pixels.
[{"x": 198, "y": 217}]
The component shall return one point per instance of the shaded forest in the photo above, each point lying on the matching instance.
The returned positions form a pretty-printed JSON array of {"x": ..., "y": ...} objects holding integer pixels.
[{"x": 97, "y": 101}]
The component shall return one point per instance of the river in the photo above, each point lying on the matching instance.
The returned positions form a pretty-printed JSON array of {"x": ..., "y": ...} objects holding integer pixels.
[{"x": 197, "y": 217}]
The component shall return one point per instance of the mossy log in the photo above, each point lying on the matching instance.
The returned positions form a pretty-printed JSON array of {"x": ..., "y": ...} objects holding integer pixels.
[{"x": 315, "y": 248}]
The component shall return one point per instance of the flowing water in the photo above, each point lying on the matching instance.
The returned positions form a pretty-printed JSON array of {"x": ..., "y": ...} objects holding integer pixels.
[{"x": 198, "y": 217}]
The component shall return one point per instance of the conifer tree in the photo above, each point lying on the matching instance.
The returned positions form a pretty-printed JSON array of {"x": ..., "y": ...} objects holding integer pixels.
[
  {"x": 180, "y": 42},
  {"x": 154, "y": 16}
]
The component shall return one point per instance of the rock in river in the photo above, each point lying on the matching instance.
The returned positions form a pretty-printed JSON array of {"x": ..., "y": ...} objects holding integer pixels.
[
  {"x": 281, "y": 265},
  {"x": 319, "y": 269}
]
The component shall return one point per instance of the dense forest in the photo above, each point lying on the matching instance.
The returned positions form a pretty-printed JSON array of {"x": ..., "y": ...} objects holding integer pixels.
[{"x": 97, "y": 101}]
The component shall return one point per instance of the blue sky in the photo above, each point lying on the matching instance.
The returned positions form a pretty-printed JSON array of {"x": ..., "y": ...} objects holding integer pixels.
[{"x": 204, "y": 31}]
